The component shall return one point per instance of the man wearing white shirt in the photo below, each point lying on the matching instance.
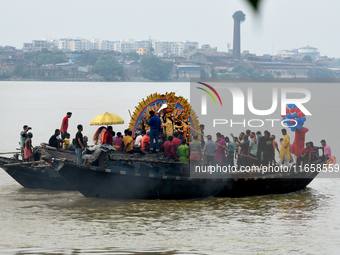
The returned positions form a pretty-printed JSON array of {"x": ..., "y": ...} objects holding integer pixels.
[{"x": 138, "y": 141}]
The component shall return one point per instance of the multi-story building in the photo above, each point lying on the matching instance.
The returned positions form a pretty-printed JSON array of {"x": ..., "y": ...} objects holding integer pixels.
[
  {"x": 128, "y": 45},
  {"x": 74, "y": 45},
  {"x": 37, "y": 45},
  {"x": 298, "y": 54},
  {"x": 145, "y": 51},
  {"x": 180, "y": 48},
  {"x": 161, "y": 47},
  {"x": 98, "y": 44}
]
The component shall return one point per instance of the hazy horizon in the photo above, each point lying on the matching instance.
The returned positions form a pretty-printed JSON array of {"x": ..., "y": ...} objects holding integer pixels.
[{"x": 279, "y": 25}]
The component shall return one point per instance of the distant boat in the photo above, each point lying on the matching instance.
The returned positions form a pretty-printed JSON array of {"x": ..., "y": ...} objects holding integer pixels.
[{"x": 141, "y": 182}]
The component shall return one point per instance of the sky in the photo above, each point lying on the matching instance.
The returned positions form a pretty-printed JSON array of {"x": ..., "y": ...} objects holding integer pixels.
[{"x": 279, "y": 25}]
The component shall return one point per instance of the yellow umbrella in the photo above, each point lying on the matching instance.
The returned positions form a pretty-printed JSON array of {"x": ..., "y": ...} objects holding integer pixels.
[{"x": 107, "y": 119}]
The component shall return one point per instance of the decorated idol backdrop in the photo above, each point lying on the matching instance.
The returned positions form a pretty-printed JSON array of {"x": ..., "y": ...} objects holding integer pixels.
[{"x": 175, "y": 113}]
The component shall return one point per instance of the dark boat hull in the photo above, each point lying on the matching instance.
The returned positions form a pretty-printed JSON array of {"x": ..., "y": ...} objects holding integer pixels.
[
  {"x": 251, "y": 187},
  {"x": 98, "y": 183},
  {"x": 35, "y": 177},
  {"x": 106, "y": 183}
]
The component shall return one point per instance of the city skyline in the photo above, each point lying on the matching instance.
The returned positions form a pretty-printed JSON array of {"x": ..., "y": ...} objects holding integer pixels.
[
  {"x": 176, "y": 48},
  {"x": 279, "y": 25}
]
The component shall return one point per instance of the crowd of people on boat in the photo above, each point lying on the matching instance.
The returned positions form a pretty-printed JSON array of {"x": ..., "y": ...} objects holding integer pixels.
[{"x": 247, "y": 149}]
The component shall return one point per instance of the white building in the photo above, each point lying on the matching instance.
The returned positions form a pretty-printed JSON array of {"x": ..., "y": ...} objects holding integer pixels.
[
  {"x": 179, "y": 48},
  {"x": 37, "y": 45},
  {"x": 309, "y": 51},
  {"x": 128, "y": 45},
  {"x": 298, "y": 54},
  {"x": 98, "y": 44},
  {"x": 161, "y": 47}
]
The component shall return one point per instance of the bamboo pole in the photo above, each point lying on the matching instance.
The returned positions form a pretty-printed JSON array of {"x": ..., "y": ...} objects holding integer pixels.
[{"x": 25, "y": 163}]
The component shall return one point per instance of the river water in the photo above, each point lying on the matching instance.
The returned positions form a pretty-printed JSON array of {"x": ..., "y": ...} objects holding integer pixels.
[{"x": 50, "y": 222}]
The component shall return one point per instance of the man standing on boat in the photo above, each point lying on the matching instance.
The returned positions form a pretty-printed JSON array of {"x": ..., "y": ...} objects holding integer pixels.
[
  {"x": 202, "y": 135},
  {"x": 285, "y": 148},
  {"x": 23, "y": 138},
  {"x": 244, "y": 151},
  {"x": 64, "y": 125},
  {"x": 209, "y": 149},
  {"x": 230, "y": 151},
  {"x": 155, "y": 128},
  {"x": 259, "y": 147},
  {"x": 327, "y": 151},
  {"x": 252, "y": 151},
  {"x": 267, "y": 148},
  {"x": 78, "y": 145},
  {"x": 28, "y": 148}
]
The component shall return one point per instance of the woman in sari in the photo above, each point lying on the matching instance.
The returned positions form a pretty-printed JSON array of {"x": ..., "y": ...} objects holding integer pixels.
[{"x": 221, "y": 145}]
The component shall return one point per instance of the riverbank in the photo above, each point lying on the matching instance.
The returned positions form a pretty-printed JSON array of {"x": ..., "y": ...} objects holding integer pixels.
[{"x": 90, "y": 79}]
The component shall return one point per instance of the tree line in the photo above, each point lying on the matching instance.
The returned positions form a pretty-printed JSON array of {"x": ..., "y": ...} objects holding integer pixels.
[
  {"x": 150, "y": 67},
  {"x": 107, "y": 66}
]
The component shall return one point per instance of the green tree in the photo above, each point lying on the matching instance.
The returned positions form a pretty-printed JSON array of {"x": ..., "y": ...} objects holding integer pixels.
[
  {"x": 21, "y": 71},
  {"x": 45, "y": 56},
  {"x": 245, "y": 71},
  {"x": 238, "y": 68},
  {"x": 307, "y": 58},
  {"x": 255, "y": 75},
  {"x": 213, "y": 73},
  {"x": 108, "y": 67},
  {"x": 88, "y": 58},
  {"x": 155, "y": 69},
  {"x": 131, "y": 56},
  {"x": 204, "y": 74},
  {"x": 320, "y": 73},
  {"x": 268, "y": 75}
]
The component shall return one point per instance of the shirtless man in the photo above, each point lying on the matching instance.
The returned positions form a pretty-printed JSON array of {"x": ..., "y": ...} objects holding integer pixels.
[{"x": 28, "y": 155}]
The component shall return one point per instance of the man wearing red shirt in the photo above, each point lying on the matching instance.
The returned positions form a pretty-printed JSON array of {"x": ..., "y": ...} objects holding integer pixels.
[
  {"x": 306, "y": 156},
  {"x": 145, "y": 141},
  {"x": 169, "y": 148},
  {"x": 108, "y": 136},
  {"x": 64, "y": 125},
  {"x": 176, "y": 142}
]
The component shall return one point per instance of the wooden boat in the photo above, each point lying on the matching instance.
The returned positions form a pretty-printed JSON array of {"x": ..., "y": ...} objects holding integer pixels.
[
  {"x": 131, "y": 177},
  {"x": 38, "y": 174}
]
